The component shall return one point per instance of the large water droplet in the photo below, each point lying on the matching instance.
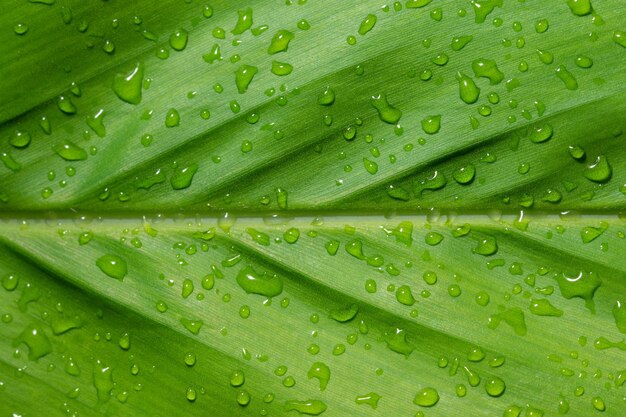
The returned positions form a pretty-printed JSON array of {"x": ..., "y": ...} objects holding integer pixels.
[
  {"x": 127, "y": 86},
  {"x": 113, "y": 266},
  {"x": 263, "y": 284}
]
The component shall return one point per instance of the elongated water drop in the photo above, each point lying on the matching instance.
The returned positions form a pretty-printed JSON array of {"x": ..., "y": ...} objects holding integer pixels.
[
  {"x": 309, "y": 407},
  {"x": 263, "y": 284},
  {"x": 367, "y": 24},
  {"x": 567, "y": 77},
  {"x": 172, "y": 118},
  {"x": 459, "y": 42},
  {"x": 96, "y": 123},
  {"x": 416, "y": 4},
  {"x": 386, "y": 112},
  {"x": 468, "y": 91},
  {"x": 69, "y": 151},
  {"x": 102, "y": 380}
]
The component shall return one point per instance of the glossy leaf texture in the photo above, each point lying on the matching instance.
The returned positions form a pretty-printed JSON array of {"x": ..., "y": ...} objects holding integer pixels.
[
  {"x": 306, "y": 207},
  {"x": 360, "y": 316},
  {"x": 369, "y": 121}
]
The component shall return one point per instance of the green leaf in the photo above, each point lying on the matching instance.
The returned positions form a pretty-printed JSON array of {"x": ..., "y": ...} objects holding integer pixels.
[{"x": 307, "y": 207}]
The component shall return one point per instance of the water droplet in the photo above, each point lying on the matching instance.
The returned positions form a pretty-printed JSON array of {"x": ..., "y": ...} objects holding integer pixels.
[
  {"x": 598, "y": 403},
  {"x": 263, "y": 284},
  {"x": 599, "y": 171},
  {"x": 37, "y": 342},
  {"x": 124, "y": 341},
  {"x": 367, "y": 24},
  {"x": 514, "y": 317},
  {"x": 64, "y": 103},
  {"x": 113, "y": 266},
  {"x": 486, "y": 246},
  {"x": 244, "y": 21},
  {"x": 190, "y": 394},
  {"x": 244, "y": 76},
  {"x": 487, "y": 68},
  {"x": 280, "y": 42},
  {"x": 10, "y": 281},
  {"x": 459, "y": 42},
  {"x": 397, "y": 342},
  {"x": 281, "y": 198},
  {"x": 95, "y": 122},
  {"x": 567, "y": 77},
  {"x": 193, "y": 326},
  {"x": 543, "y": 307},
  {"x": 178, "y": 39},
  {"x": 69, "y": 151},
  {"x": 281, "y": 68},
  {"x": 237, "y": 378},
  {"x": 416, "y": 4},
  {"x": 309, "y": 407},
  {"x": 346, "y": 314},
  {"x": 207, "y": 11},
  {"x": 190, "y": 359},
  {"x": 619, "y": 314},
  {"x": 127, "y": 86},
  {"x": 584, "y": 62},
  {"x": 441, "y": 59},
  {"x": 370, "y": 166},
  {"x": 182, "y": 177},
  {"x": 102, "y": 380},
  {"x": 542, "y": 25},
  {"x": 576, "y": 152},
  {"x": 327, "y": 97},
  {"x": 619, "y": 37},
  {"x": 464, "y": 175},
  {"x": 371, "y": 398},
  {"x": 187, "y": 288},
  {"x": 468, "y": 91},
  {"x": 20, "y": 139},
  {"x": 321, "y": 372},
  {"x": 405, "y": 296},
  {"x": 172, "y": 118},
  {"x": 386, "y": 112},
  {"x": 331, "y": 247},
  {"x": 580, "y": 7},
  {"x": 431, "y": 124},
  {"x": 495, "y": 386},
  {"x": 20, "y": 29},
  {"x": 579, "y": 284},
  {"x": 433, "y": 238},
  {"x": 426, "y": 397}
]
